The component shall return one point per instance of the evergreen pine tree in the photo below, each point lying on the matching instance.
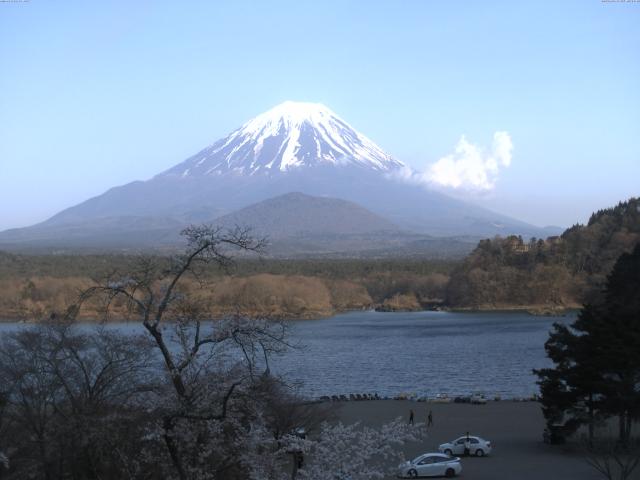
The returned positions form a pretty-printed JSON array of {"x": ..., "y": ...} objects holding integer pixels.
[{"x": 596, "y": 371}]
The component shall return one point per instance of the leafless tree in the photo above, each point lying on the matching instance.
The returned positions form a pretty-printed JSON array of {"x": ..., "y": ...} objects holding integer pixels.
[
  {"x": 213, "y": 367},
  {"x": 67, "y": 393},
  {"x": 613, "y": 460}
]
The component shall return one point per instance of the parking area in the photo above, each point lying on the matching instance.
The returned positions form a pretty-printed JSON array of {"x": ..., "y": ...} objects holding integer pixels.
[{"x": 514, "y": 429}]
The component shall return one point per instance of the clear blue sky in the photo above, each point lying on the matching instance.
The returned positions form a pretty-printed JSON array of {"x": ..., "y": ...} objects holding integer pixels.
[{"x": 96, "y": 94}]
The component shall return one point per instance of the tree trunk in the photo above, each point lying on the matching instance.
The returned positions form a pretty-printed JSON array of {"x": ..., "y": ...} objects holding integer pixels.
[
  {"x": 624, "y": 423},
  {"x": 178, "y": 384},
  {"x": 294, "y": 467},
  {"x": 621, "y": 424},
  {"x": 173, "y": 449},
  {"x": 591, "y": 420},
  {"x": 46, "y": 464}
]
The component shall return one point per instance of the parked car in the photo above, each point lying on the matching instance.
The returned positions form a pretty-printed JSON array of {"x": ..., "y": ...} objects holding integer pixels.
[
  {"x": 441, "y": 398},
  {"x": 478, "y": 399},
  {"x": 477, "y": 446},
  {"x": 430, "y": 465},
  {"x": 462, "y": 399}
]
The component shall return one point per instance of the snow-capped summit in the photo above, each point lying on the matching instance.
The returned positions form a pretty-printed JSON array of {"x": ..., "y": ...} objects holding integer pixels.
[
  {"x": 289, "y": 136},
  {"x": 248, "y": 178}
]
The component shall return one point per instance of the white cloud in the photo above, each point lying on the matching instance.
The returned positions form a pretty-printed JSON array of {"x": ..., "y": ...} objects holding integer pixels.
[{"x": 469, "y": 167}]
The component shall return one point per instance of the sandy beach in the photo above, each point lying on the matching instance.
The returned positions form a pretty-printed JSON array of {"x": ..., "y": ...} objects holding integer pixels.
[{"x": 514, "y": 428}]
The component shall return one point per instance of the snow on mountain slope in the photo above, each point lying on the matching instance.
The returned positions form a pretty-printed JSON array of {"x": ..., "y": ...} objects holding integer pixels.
[
  {"x": 294, "y": 147},
  {"x": 289, "y": 136}
]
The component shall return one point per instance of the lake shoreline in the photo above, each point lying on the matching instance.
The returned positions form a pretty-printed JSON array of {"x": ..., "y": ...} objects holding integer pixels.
[{"x": 540, "y": 310}]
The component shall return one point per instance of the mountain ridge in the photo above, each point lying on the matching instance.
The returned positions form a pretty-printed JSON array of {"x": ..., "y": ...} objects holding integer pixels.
[
  {"x": 298, "y": 214},
  {"x": 311, "y": 150}
]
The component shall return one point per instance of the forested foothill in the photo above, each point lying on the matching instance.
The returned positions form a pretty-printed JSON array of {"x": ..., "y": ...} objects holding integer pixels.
[
  {"x": 546, "y": 274},
  {"x": 31, "y": 286},
  {"x": 539, "y": 275}
]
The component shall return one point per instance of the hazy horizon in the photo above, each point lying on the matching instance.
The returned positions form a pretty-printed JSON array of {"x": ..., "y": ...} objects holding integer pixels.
[{"x": 531, "y": 110}]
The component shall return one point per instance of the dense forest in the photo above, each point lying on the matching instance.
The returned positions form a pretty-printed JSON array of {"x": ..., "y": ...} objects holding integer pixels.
[
  {"x": 540, "y": 275},
  {"x": 31, "y": 286},
  {"x": 554, "y": 273}
]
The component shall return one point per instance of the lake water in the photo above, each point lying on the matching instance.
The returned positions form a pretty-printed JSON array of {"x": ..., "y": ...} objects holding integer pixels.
[
  {"x": 421, "y": 352},
  {"x": 425, "y": 353}
]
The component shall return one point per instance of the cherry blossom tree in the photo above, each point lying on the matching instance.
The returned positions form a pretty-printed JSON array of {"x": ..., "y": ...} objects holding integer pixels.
[{"x": 336, "y": 452}]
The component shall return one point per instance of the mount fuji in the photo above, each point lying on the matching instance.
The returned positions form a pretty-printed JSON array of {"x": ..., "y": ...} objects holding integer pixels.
[
  {"x": 288, "y": 137},
  {"x": 294, "y": 147}
]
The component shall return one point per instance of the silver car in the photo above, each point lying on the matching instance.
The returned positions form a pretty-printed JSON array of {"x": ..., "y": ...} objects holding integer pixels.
[
  {"x": 477, "y": 446},
  {"x": 430, "y": 465}
]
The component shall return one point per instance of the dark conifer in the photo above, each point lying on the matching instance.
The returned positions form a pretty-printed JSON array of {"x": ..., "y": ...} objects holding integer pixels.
[{"x": 596, "y": 371}]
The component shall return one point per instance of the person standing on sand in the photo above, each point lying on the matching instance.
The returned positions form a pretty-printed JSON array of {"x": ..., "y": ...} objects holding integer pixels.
[
  {"x": 429, "y": 419},
  {"x": 410, "y": 416}
]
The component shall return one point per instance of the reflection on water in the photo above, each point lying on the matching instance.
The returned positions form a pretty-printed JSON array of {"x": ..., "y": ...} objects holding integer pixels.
[{"x": 423, "y": 352}]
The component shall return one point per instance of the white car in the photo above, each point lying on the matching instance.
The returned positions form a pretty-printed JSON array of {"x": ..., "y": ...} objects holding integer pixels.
[
  {"x": 477, "y": 446},
  {"x": 430, "y": 465},
  {"x": 441, "y": 398},
  {"x": 478, "y": 399}
]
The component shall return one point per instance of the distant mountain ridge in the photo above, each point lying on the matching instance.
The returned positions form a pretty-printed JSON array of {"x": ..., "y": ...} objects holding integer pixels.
[
  {"x": 294, "y": 147},
  {"x": 294, "y": 225}
]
